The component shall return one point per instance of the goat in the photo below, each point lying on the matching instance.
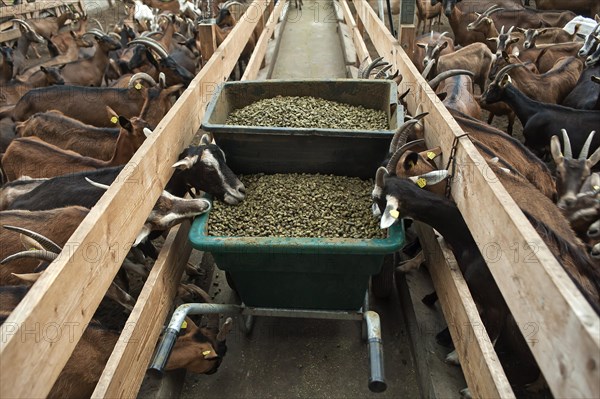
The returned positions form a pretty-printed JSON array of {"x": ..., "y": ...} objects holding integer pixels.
[
  {"x": 522, "y": 160},
  {"x": 225, "y": 18},
  {"x": 590, "y": 41},
  {"x": 549, "y": 55},
  {"x": 590, "y": 6},
  {"x": 475, "y": 57},
  {"x": 69, "y": 134},
  {"x": 547, "y": 36},
  {"x": 457, "y": 93},
  {"x": 541, "y": 120},
  {"x": 90, "y": 72},
  {"x": 427, "y": 45},
  {"x": 593, "y": 59},
  {"x": 585, "y": 94},
  {"x": 202, "y": 168},
  {"x": 47, "y": 27},
  {"x": 199, "y": 350},
  {"x": 458, "y": 22},
  {"x": 550, "y": 87},
  {"x": 56, "y": 224},
  {"x": 427, "y": 12},
  {"x": 82, "y": 102},
  {"x": 31, "y": 156},
  {"x": 7, "y": 133},
  {"x": 571, "y": 173},
  {"x": 504, "y": 41},
  {"x": 170, "y": 5},
  {"x": 28, "y": 35},
  {"x": 173, "y": 71},
  {"x": 16, "y": 188},
  {"x": 11, "y": 92},
  {"x": 485, "y": 25}
]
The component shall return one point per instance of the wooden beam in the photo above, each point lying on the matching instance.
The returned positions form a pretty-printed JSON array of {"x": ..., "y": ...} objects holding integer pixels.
[
  {"x": 10, "y": 34},
  {"x": 24, "y": 8},
  {"x": 208, "y": 42},
  {"x": 260, "y": 49},
  {"x": 361, "y": 48},
  {"x": 561, "y": 328},
  {"x": 478, "y": 359},
  {"x": 72, "y": 287},
  {"x": 131, "y": 355}
]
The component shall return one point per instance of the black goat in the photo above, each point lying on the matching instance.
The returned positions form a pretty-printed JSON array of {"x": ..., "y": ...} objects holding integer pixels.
[
  {"x": 585, "y": 94},
  {"x": 202, "y": 168},
  {"x": 541, "y": 120}
]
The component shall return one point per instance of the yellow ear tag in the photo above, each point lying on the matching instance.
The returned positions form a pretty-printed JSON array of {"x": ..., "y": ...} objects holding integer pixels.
[
  {"x": 596, "y": 187},
  {"x": 184, "y": 325},
  {"x": 114, "y": 119},
  {"x": 205, "y": 353},
  {"x": 138, "y": 86},
  {"x": 394, "y": 213},
  {"x": 430, "y": 154},
  {"x": 421, "y": 182}
]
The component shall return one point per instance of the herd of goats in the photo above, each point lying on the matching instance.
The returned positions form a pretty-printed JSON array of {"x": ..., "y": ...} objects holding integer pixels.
[{"x": 70, "y": 123}]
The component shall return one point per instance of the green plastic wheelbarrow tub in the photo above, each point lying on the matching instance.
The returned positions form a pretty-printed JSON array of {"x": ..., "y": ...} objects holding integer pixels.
[
  {"x": 298, "y": 273},
  {"x": 301, "y": 273}
]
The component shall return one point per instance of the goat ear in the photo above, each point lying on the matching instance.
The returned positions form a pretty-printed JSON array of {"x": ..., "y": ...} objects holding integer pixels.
[
  {"x": 444, "y": 45},
  {"x": 422, "y": 45},
  {"x": 513, "y": 41},
  {"x": 521, "y": 29},
  {"x": 442, "y": 96},
  {"x": 581, "y": 36},
  {"x": 594, "y": 158},
  {"x": 492, "y": 39},
  {"x": 186, "y": 163},
  {"x": 125, "y": 123},
  {"x": 172, "y": 90},
  {"x": 391, "y": 214},
  {"x": 430, "y": 178},
  {"x": 43, "y": 69},
  {"x": 410, "y": 160},
  {"x": 28, "y": 277},
  {"x": 142, "y": 235},
  {"x": 555, "y": 150}
]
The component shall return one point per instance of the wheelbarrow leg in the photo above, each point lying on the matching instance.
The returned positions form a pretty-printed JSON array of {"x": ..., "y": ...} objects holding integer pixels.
[{"x": 376, "y": 371}]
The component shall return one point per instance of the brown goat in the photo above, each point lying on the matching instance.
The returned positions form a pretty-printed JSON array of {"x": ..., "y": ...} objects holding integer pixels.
[
  {"x": 548, "y": 57},
  {"x": 550, "y": 87},
  {"x": 456, "y": 92},
  {"x": 82, "y": 103},
  {"x": 70, "y": 134},
  {"x": 56, "y": 224},
  {"x": 547, "y": 36},
  {"x": 11, "y": 92},
  {"x": 427, "y": 12},
  {"x": 90, "y": 72},
  {"x": 426, "y": 45},
  {"x": 199, "y": 350},
  {"x": 33, "y": 157}
]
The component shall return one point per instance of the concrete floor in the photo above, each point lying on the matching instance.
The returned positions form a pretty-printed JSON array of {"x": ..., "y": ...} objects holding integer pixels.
[
  {"x": 303, "y": 358},
  {"x": 310, "y": 44}
]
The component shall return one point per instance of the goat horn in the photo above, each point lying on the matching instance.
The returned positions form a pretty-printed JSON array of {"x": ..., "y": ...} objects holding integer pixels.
[
  {"x": 381, "y": 173},
  {"x": 444, "y": 33},
  {"x": 30, "y": 243},
  {"x": 153, "y": 44},
  {"x": 141, "y": 76},
  {"x": 95, "y": 32},
  {"x": 383, "y": 71},
  {"x": 403, "y": 95},
  {"x": 567, "y": 144},
  {"x": 230, "y": 3},
  {"x": 506, "y": 70},
  {"x": 99, "y": 24},
  {"x": 44, "y": 241},
  {"x": 510, "y": 30},
  {"x": 428, "y": 68},
  {"x": 377, "y": 62},
  {"x": 96, "y": 184},
  {"x": 502, "y": 30},
  {"x": 362, "y": 66},
  {"x": 29, "y": 29},
  {"x": 401, "y": 134},
  {"x": 435, "y": 82},
  {"x": 162, "y": 80},
  {"x": 393, "y": 162},
  {"x": 33, "y": 254},
  {"x": 114, "y": 35},
  {"x": 586, "y": 146},
  {"x": 495, "y": 10},
  {"x": 225, "y": 328}
]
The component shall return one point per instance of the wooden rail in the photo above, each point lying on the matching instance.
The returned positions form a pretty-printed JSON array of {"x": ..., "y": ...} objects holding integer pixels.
[
  {"x": 70, "y": 290},
  {"x": 560, "y": 327},
  {"x": 32, "y": 10}
]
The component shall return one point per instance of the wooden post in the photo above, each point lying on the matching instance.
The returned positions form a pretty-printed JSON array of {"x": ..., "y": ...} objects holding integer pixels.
[
  {"x": 208, "y": 43},
  {"x": 407, "y": 30}
]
